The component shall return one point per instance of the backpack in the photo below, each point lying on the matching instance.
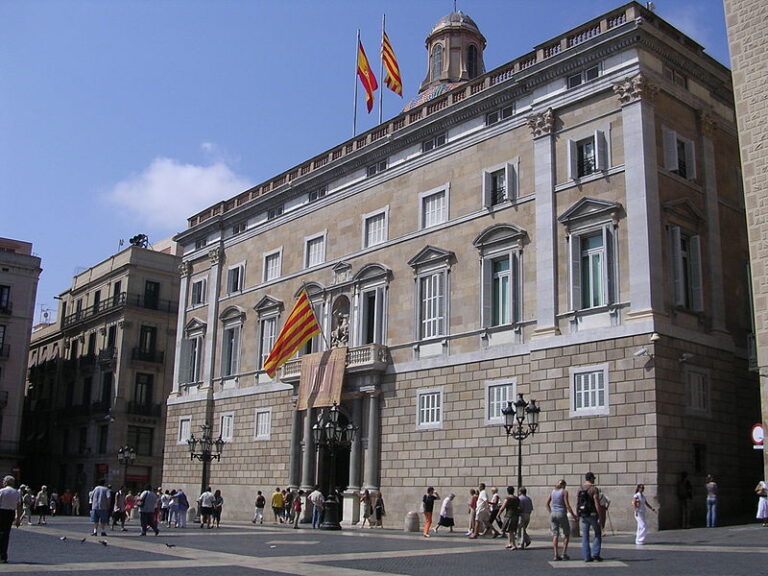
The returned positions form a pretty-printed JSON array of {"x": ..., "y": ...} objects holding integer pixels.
[{"x": 585, "y": 503}]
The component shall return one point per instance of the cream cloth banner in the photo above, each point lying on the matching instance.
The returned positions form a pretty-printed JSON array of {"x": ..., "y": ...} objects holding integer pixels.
[{"x": 322, "y": 376}]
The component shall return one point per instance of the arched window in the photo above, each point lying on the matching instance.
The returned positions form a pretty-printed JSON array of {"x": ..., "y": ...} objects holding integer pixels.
[
  {"x": 472, "y": 61},
  {"x": 437, "y": 61}
]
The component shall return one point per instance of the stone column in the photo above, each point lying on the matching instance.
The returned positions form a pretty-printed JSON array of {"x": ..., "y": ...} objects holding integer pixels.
[
  {"x": 214, "y": 279},
  {"x": 542, "y": 128},
  {"x": 714, "y": 249},
  {"x": 644, "y": 232},
  {"x": 372, "y": 457},
  {"x": 184, "y": 271},
  {"x": 352, "y": 493},
  {"x": 293, "y": 458},
  {"x": 308, "y": 452}
]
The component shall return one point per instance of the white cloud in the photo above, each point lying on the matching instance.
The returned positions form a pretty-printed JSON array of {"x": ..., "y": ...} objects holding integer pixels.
[{"x": 168, "y": 192}]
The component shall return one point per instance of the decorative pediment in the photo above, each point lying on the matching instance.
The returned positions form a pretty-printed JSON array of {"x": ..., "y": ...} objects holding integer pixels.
[
  {"x": 342, "y": 272},
  {"x": 685, "y": 211},
  {"x": 499, "y": 234},
  {"x": 430, "y": 255},
  {"x": 591, "y": 210},
  {"x": 232, "y": 313},
  {"x": 195, "y": 325},
  {"x": 312, "y": 289},
  {"x": 268, "y": 304},
  {"x": 373, "y": 271}
]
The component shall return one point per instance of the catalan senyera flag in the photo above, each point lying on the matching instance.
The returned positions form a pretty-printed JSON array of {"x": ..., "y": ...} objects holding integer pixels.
[
  {"x": 366, "y": 76},
  {"x": 300, "y": 326},
  {"x": 391, "y": 67}
]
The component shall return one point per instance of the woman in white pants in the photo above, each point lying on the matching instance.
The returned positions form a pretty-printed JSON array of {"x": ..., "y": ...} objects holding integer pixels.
[{"x": 640, "y": 504}]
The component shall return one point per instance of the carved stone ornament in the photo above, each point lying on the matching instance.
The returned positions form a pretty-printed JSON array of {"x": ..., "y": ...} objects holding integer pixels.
[
  {"x": 635, "y": 88},
  {"x": 185, "y": 268},
  {"x": 708, "y": 123},
  {"x": 543, "y": 123},
  {"x": 216, "y": 255}
]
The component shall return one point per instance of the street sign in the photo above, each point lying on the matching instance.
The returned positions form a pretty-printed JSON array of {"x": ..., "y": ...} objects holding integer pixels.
[{"x": 757, "y": 436}]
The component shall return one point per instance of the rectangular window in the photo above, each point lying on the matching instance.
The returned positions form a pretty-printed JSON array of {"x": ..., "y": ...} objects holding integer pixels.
[
  {"x": 501, "y": 297},
  {"x": 191, "y": 359},
  {"x": 185, "y": 430},
  {"x": 239, "y": 227},
  {"x": 140, "y": 437},
  {"x": 272, "y": 265},
  {"x": 500, "y": 115},
  {"x": 263, "y": 425},
  {"x": 501, "y": 292},
  {"x": 593, "y": 268},
  {"x": 589, "y": 390},
  {"x": 372, "y": 326},
  {"x": 583, "y": 76},
  {"x": 116, "y": 293},
  {"x": 151, "y": 294},
  {"x": 197, "y": 296},
  {"x": 227, "y": 426},
  {"x": 686, "y": 270},
  {"x": 433, "y": 143},
  {"x": 374, "y": 169},
  {"x": 230, "y": 351},
  {"x": 500, "y": 184},
  {"x": 273, "y": 213},
  {"x": 142, "y": 394},
  {"x": 679, "y": 155},
  {"x": 87, "y": 391},
  {"x": 588, "y": 155},
  {"x": 315, "y": 251},
  {"x": 315, "y": 195},
  {"x": 429, "y": 408},
  {"x": 432, "y": 308},
  {"x": 147, "y": 342},
  {"x": 675, "y": 77},
  {"x": 96, "y": 301},
  {"x": 434, "y": 209},
  {"x": 5, "y": 299},
  {"x": 497, "y": 394},
  {"x": 375, "y": 229},
  {"x": 235, "y": 278},
  {"x": 2, "y": 338},
  {"x": 697, "y": 391},
  {"x": 201, "y": 243},
  {"x": 268, "y": 334},
  {"x": 103, "y": 435}
]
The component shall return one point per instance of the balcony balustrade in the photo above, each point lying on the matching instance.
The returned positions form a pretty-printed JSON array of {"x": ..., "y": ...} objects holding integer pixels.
[
  {"x": 156, "y": 356},
  {"x": 367, "y": 358}
]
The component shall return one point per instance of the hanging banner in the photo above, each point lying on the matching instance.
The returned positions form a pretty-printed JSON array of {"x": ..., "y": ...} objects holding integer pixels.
[{"x": 322, "y": 376}]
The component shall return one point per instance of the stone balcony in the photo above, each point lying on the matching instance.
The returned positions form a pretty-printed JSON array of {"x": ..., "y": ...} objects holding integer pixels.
[{"x": 368, "y": 358}]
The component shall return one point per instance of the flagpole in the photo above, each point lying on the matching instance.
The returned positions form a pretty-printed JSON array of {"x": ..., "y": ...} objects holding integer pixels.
[
  {"x": 381, "y": 69},
  {"x": 354, "y": 107}
]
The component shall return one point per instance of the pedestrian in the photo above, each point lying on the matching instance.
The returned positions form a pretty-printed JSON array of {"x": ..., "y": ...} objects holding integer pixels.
[
  {"x": 559, "y": 506},
  {"x": 428, "y": 506},
  {"x": 511, "y": 512},
  {"x": 26, "y": 504},
  {"x": 495, "y": 503},
  {"x": 762, "y": 502},
  {"x": 446, "y": 513},
  {"x": 173, "y": 510},
  {"x": 277, "y": 505},
  {"x": 640, "y": 503},
  {"x": 288, "y": 506},
  {"x": 165, "y": 506},
  {"x": 218, "y": 504},
  {"x": 118, "y": 509},
  {"x": 66, "y": 502},
  {"x": 482, "y": 513},
  {"x": 259, "y": 504},
  {"x": 318, "y": 501},
  {"x": 53, "y": 503},
  {"x": 75, "y": 505},
  {"x": 130, "y": 500},
  {"x": 526, "y": 509},
  {"x": 147, "y": 504},
  {"x": 378, "y": 510},
  {"x": 297, "y": 508},
  {"x": 711, "y": 487},
  {"x": 42, "y": 505},
  {"x": 588, "y": 507},
  {"x": 472, "y": 510},
  {"x": 205, "y": 505},
  {"x": 684, "y": 497},
  {"x": 183, "y": 507},
  {"x": 10, "y": 511},
  {"x": 366, "y": 508},
  {"x": 100, "y": 509}
]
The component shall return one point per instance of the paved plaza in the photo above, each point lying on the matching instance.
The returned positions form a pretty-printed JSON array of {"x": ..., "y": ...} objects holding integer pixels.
[{"x": 65, "y": 545}]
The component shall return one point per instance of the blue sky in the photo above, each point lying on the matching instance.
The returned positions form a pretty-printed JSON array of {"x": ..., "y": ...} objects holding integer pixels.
[{"x": 126, "y": 117}]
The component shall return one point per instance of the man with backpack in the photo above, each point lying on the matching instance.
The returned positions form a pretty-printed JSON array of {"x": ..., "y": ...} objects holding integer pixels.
[{"x": 589, "y": 510}]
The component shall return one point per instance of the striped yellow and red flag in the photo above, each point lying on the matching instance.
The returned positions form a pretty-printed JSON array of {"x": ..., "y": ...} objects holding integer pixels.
[
  {"x": 300, "y": 326},
  {"x": 366, "y": 76},
  {"x": 391, "y": 67}
]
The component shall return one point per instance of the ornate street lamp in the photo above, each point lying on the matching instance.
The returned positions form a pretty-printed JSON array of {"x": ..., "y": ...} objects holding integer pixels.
[
  {"x": 328, "y": 433},
  {"x": 125, "y": 456},
  {"x": 515, "y": 416},
  {"x": 209, "y": 449}
]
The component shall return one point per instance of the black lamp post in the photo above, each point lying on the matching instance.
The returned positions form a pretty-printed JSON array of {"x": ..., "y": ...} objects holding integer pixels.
[
  {"x": 206, "y": 453},
  {"x": 330, "y": 434},
  {"x": 515, "y": 415},
  {"x": 126, "y": 456}
]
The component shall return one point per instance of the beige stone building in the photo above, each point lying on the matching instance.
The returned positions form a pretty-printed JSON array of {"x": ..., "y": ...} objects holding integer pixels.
[
  {"x": 746, "y": 20},
  {"x": 99, "y": 375},
  {"x": 19, "y": 272},
  {"x": 568, "y": 226}
]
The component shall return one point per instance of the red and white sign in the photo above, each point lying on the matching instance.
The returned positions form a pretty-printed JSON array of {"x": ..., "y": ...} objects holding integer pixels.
[{"x": 757, "y": 436}]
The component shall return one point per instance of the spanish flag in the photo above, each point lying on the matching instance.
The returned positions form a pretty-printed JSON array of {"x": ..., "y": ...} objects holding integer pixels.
[
  {"x": 366, "y": 76},
  {"x": 300, "y": 326},
  {"x": 392, "y": 79}
]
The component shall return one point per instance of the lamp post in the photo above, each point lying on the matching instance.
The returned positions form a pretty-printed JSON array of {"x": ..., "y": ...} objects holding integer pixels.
[
  {"x": 515, "y": 416},
  {"x": 210, "y": 449},
  {"x": 125, "y": 456},
  {"x": 331, "y": 435}
]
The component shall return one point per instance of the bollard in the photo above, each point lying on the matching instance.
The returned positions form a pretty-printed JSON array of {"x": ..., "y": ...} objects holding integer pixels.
[{"x": 411, "y": 522}]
